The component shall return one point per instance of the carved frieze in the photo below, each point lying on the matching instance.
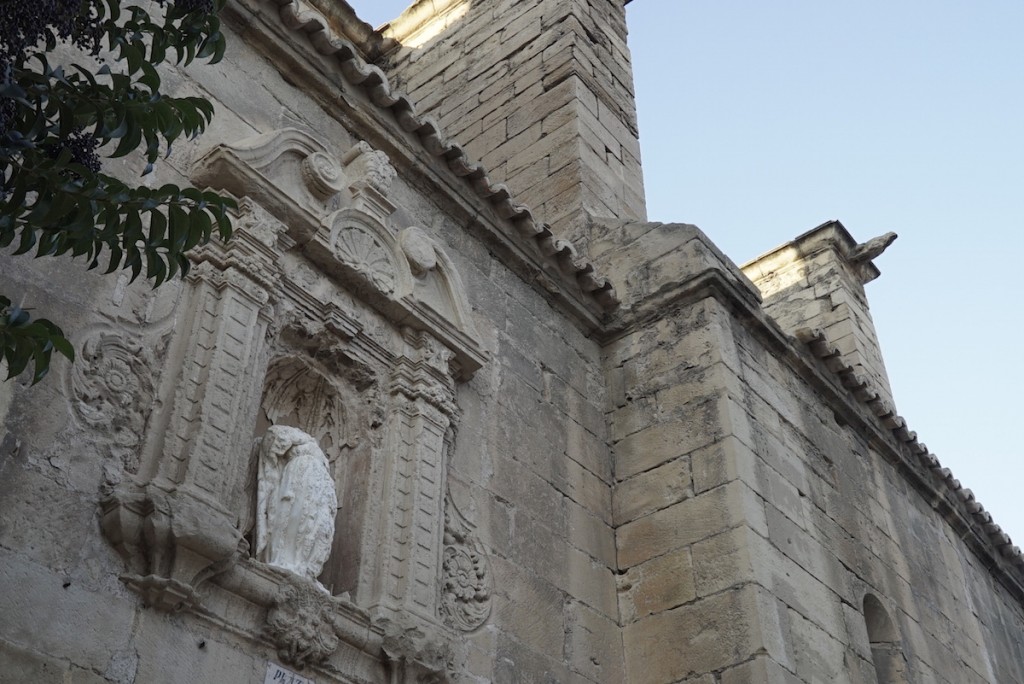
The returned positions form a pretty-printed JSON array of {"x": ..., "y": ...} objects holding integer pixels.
[{"x": 465, "y": 573}]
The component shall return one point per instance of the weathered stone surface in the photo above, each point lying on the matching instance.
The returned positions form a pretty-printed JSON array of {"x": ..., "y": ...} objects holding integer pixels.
[
  {"x": 700, "y": 637},
  {"x": 593, "y": 644},
  {"x": 590, "y": 462},
  {"x": 760, "y": 670},
  {"x": 41, "y": 610},
  {"x": 660, "y": 584}
]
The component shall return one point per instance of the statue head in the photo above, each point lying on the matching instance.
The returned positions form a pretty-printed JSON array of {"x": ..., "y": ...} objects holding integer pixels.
[{"x": 279, "y": 440}]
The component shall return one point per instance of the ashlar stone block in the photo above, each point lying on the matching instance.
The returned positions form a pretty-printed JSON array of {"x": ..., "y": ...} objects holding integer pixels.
[
  {"x": 687, "y": 522},
  {"x": 698, "y": 638},
  {"x": 652, "y": 490},
  {"x": 658, "y": 585}
]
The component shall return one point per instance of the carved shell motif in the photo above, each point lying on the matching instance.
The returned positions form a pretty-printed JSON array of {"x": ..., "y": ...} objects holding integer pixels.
[
  {"x": 363, "y": 253},
  {"x": 295, "y": 394},
  {"x": 465, "y": 574}
]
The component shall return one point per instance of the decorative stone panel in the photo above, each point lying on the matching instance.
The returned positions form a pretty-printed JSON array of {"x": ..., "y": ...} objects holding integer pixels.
[
  {"x": 176, "y": 525},
  {"x": 466, "y": 573}
]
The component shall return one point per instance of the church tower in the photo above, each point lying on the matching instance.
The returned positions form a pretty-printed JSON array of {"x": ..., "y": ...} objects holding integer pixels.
[{"x": 540, "y": 92}]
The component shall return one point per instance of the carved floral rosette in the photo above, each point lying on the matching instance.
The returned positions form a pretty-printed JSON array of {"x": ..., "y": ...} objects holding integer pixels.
[
  {"x": 465, "y": 574},
  {"x": 300, "y": 622}
]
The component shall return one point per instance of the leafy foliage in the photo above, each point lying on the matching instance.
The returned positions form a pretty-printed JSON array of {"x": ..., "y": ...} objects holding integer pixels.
[{"x": 54, "y": 198}]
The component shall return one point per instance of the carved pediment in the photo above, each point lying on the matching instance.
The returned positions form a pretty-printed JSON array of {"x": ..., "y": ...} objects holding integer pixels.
[
  {"x": 337, "y": 212},
  {"x": 289, "y": 172}
]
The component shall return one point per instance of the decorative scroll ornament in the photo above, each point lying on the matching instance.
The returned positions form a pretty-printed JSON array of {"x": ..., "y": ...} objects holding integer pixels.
[
  {"x": 321, "y": 174},
  {"x": 112, "y": 388},
  {"x": 367, "y": 165},
  {"x": 365, "y": 255},
  {"x": 465, "y": 574},
  {"x": 300, "y": 623}
]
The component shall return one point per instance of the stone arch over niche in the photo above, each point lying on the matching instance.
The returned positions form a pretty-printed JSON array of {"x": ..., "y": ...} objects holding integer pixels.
[
  {"x": 297, "y": 393},
  {"x": 884, "y": 638}
]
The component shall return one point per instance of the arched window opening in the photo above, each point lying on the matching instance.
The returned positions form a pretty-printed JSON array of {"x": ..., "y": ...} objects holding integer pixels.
[{"x": 886, "y": 653}]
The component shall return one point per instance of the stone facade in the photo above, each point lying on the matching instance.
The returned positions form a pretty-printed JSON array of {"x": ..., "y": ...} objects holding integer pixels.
[{"x": 567, "y": 445}]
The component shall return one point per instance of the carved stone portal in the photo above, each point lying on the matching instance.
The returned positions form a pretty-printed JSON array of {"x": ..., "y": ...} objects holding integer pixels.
[{"x": 296, "y": 502}]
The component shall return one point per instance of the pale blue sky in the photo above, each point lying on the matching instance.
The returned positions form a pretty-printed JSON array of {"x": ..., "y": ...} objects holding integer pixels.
[{"x": 761, "y": 120}]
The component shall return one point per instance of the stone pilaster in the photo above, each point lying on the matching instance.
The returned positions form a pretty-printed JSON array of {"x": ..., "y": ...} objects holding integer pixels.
[
  {"x": 177, "y": 523},
  {"x": 402, "y": 570}
]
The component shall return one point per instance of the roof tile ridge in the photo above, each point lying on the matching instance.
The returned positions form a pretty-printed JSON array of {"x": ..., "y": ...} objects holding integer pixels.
[
  {"x": 886, "y": 414},
  {"x": 300, "y": 16}
]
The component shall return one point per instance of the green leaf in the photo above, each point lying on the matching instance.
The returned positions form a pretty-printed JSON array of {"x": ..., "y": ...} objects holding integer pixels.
[
  {"x": 57, "y": 206},
  {"x": 61, "y": 344}
]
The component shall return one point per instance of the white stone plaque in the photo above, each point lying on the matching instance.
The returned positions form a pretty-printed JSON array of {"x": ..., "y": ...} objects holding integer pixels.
[{"x": 279, "y": 675}]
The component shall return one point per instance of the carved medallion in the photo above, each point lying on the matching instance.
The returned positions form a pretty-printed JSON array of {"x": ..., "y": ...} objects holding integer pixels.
[
  {"x": 112, "y": 390},
  {"x": 465, "y": 574},
  {"x": 363, "y": 253}
]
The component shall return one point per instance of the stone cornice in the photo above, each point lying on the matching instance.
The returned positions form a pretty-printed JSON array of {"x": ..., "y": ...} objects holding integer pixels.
[
  {"x": 413, "y": 19},
  {"x": 829, "y": 235},
  {"x": 557, "y": 266}
]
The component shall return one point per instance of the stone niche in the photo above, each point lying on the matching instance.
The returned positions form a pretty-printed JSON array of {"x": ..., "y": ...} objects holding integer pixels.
[{"x": 352, "y": 334}]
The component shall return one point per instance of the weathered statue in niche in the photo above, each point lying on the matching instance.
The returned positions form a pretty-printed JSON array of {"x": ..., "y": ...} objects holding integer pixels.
[{"x": 295, "y": 502}]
